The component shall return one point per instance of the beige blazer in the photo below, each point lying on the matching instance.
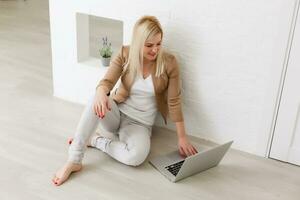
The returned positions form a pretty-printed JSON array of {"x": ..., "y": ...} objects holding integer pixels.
[{"x": 167, "y": 87}]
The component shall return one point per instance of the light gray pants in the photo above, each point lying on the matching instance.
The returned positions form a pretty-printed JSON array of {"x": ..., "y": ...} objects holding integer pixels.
[{"x": 131, "y": 145}]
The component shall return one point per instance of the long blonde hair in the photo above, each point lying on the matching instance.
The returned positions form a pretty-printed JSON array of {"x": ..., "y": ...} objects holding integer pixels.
[{"x": 146, "y": 27}]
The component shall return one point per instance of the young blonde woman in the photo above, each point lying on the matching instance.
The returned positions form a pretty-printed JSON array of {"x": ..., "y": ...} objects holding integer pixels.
[{"x": 150, "y": 83}]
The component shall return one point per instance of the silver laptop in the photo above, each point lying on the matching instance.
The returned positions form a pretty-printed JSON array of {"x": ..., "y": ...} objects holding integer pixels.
[{"x": 175, "y": 167}]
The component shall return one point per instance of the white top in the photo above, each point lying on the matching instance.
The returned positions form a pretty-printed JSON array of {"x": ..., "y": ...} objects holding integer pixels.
[{"x": 141, "y": 103}]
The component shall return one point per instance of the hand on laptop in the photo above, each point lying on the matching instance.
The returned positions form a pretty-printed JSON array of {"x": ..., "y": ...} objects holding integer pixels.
[{"x": 185, "y": 147}]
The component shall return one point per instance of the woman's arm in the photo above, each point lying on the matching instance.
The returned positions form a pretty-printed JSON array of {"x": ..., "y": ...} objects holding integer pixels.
[
  {"x": 101, "y": 103},
  {"x": 113, "y": 73},
  {"x": 184, "y": 146},
  {"x": 175, "y": 111}
]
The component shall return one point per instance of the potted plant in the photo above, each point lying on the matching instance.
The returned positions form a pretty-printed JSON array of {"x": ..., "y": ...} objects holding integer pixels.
[{"x": 105, "y": 52}]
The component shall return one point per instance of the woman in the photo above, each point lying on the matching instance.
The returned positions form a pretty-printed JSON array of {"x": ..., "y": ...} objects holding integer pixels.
[{"x": 150, "y": 83}]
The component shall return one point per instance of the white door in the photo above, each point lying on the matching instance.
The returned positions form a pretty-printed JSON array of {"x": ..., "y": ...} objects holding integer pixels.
[{"x": 285, "y": 145}]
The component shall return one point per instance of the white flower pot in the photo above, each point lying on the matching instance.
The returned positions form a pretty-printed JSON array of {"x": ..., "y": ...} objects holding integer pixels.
[{"x": 105, "y": 61}]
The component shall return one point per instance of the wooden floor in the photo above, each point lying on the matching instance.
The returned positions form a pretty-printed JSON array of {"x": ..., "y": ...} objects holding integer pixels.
[{"x": 34, "y": 127}]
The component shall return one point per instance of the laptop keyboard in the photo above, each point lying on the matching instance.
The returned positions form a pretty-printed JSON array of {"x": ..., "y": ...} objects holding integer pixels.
[{"x": 174, "y": 168}]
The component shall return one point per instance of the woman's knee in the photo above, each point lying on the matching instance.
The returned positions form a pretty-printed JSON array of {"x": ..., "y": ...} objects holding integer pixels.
[
  {"x": 111, "y": 120},
  {"x": 136, "y": 156},
  {"x": 138, "y": 144}
]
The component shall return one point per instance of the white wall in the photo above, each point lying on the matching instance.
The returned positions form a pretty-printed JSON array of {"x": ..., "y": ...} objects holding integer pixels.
[{"x": 231, "y": 55}]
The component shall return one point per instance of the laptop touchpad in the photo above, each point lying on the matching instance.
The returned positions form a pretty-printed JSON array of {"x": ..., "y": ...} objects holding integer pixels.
[{"x": 174, "y": 156}]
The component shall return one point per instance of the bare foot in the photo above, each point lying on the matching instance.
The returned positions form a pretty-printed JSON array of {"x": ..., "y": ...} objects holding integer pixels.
[
  {"x": 70, "y": 140},
  {"x": 63, "y": 174}
]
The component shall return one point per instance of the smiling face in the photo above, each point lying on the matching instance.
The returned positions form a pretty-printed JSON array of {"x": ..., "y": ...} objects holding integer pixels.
[{"x": 152, "y": 47}]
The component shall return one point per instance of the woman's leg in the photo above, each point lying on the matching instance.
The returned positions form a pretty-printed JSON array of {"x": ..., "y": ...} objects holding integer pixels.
[
  {"x": 85, "y": 128},
  {"x": 133, "y": 146}
]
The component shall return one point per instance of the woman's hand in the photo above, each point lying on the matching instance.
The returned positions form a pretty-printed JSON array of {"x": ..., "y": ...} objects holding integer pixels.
[
  {"x": 185, "y": 147},
  {"x": 101, "y": 103}
]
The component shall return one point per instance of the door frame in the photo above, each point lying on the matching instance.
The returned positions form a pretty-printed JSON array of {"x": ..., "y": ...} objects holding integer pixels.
[{"x": 295, "y": 17}]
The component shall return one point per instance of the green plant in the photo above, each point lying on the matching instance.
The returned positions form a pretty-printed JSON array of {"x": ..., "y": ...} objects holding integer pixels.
[{"x": 106, "y": 50}]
